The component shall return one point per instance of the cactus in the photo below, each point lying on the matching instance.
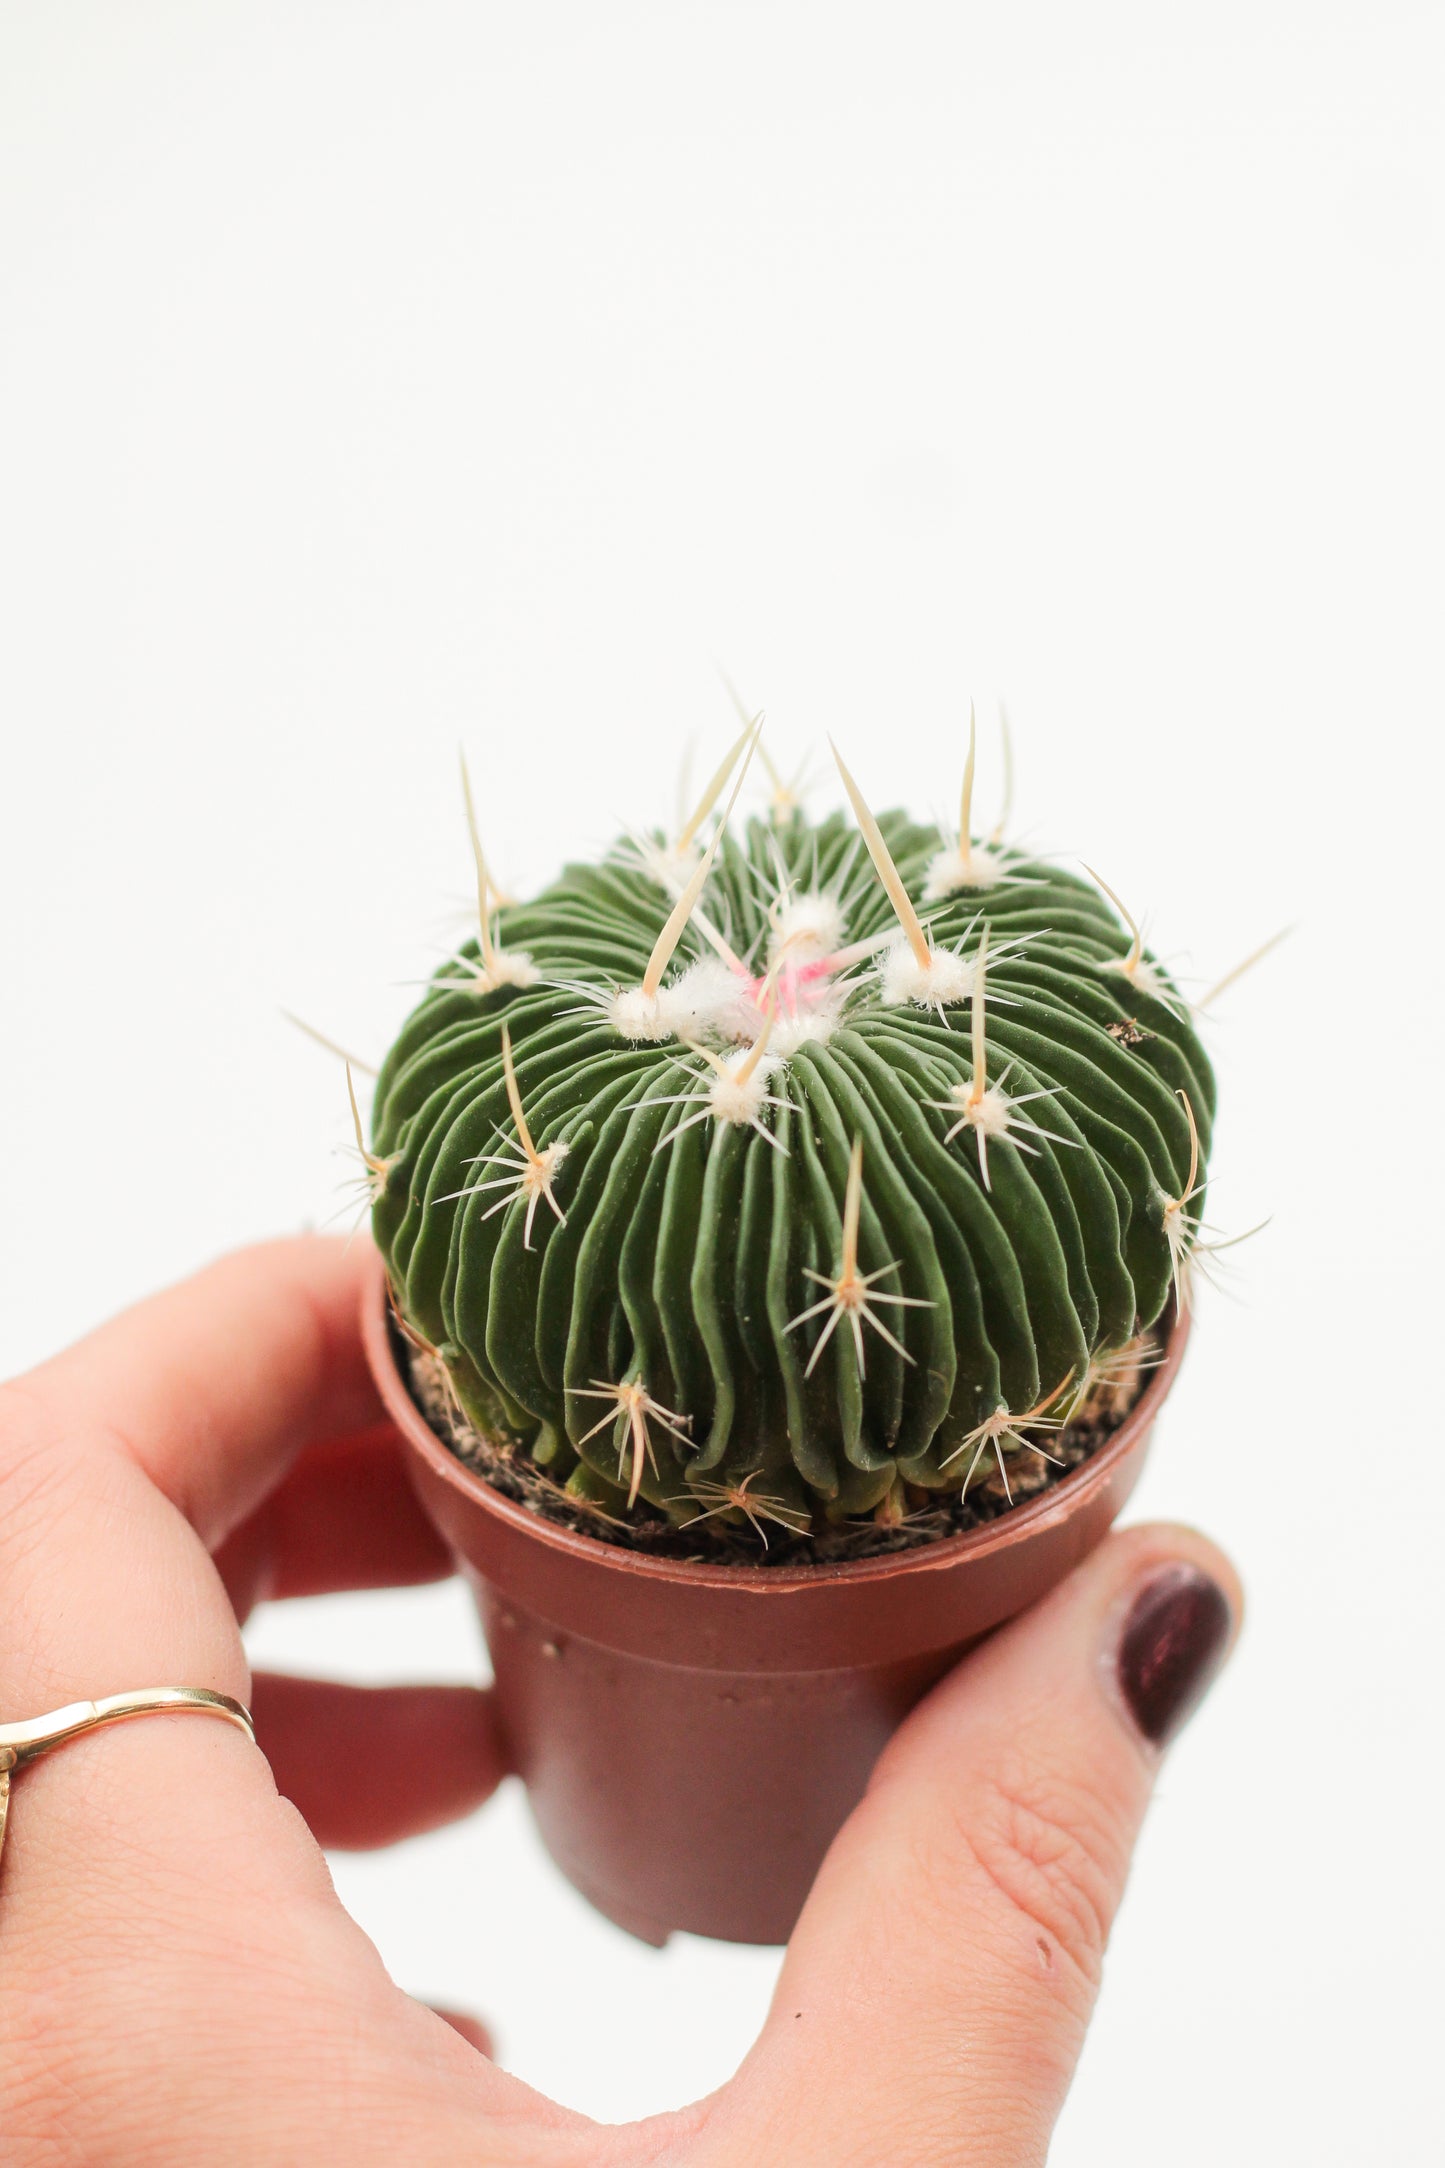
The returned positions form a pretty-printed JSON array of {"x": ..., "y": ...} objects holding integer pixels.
[{"x": 792, "y": 1178}]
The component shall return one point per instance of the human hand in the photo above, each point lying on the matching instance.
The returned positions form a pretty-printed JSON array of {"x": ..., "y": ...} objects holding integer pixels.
[{"x": 181, "y": 1985}]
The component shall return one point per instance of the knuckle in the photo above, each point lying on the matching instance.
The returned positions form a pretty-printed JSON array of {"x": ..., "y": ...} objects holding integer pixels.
[
  {"x": 25, "y": 1420},
  {"x": 36, "y": 1473},
  {"x": 1053, "y": 1850}
]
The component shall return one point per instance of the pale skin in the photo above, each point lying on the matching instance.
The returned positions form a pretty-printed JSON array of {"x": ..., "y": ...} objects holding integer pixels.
[{"x": 179, "y": 1985}]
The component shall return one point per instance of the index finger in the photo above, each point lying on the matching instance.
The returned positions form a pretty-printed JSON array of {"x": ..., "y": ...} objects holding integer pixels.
[{"x": 214, "y": 1386}]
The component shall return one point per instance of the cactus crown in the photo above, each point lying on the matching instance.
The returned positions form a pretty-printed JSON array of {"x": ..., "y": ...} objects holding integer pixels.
[{"x": 763, "y": 1176}]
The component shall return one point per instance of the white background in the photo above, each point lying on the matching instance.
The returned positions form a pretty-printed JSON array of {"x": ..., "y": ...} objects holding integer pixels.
[{"x": 378, "y": 376}]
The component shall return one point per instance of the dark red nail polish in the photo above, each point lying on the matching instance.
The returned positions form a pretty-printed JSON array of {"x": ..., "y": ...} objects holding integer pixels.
[{"x": 1171, "y": 1648}]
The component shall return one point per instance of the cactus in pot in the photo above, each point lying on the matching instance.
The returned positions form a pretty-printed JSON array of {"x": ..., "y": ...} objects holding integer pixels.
[{"x": 777, "y": 1175}]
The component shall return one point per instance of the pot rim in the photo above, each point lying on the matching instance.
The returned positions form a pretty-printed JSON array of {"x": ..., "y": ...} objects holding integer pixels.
[{"x": 1058, "y": 1502}]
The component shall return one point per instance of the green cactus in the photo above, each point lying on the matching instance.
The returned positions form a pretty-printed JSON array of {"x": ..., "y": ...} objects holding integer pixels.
[{"x": 767, "y": 1183}]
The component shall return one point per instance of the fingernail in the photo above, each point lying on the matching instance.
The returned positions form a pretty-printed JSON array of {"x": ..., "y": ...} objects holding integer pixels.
[{"x": 1171, "y": 1649}]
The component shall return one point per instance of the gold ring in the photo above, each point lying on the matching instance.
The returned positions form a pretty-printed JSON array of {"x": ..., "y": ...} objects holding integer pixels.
[{"x": 23, "y": 1743}]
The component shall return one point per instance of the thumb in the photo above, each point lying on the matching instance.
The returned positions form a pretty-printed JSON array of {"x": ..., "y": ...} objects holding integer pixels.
[{"x": 937, "y": 1989}]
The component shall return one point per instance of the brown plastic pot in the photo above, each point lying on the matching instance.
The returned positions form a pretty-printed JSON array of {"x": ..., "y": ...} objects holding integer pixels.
[{"x": 691, "y": 1736}]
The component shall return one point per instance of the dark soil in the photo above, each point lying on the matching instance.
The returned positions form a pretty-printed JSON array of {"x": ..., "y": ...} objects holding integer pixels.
[{"x": 507, "y": 1468}]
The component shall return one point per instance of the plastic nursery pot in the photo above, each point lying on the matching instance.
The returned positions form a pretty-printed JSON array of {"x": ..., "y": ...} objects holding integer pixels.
[{"x": 693, "y": 1736}]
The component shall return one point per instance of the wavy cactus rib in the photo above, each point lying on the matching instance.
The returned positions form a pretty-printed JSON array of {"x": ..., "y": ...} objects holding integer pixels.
[{"x": 900, "y": 1150}]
